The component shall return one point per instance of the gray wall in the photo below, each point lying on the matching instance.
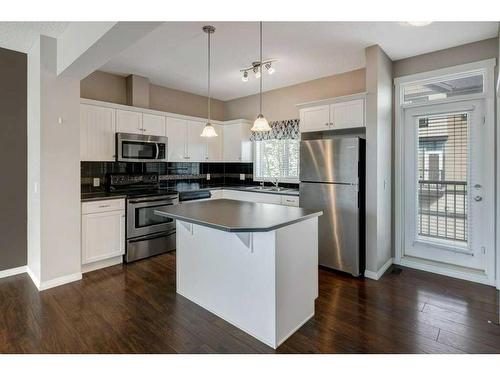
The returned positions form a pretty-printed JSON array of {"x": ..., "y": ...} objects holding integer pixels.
[
  {"x": 280, "y": 104},
  {"x": 112, "y": 88},
  {"x": 467, "y": 53},
  {"x": 13, "y": 159}
]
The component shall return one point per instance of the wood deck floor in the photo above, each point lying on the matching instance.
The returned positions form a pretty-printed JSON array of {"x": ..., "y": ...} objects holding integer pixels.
[{"x": 135, "y": 309}]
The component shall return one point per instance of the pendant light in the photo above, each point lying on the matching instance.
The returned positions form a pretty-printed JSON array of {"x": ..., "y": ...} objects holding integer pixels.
[
  {"x": 260, "y": 124},
  {"x": 208, "y": 130}
]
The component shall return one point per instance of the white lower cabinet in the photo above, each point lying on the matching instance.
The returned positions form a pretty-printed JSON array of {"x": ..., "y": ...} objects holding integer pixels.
[
  {"x": 103, "y": 230},
  {"x": 290, "y": 200}
]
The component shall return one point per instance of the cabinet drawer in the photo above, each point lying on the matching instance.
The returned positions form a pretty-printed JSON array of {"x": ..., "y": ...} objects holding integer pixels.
[
  {"x": 288, "y": 200},
  {"x": 103, "y": 206}
]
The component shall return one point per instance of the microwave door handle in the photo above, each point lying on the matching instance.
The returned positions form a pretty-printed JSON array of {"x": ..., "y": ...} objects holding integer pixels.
[{"x": 157, "y": 151}]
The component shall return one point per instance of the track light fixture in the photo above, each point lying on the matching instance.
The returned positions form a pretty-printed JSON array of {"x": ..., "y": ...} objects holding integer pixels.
[{"x": 255, "y": 69}]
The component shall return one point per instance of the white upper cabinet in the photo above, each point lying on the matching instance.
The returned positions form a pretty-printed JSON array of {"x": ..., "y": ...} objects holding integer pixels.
[
  {"x": 236, "y": 142},
  {"x": 350, "y": 114},
  {"x": 336, "y": 113},
  {"x": 153, "y": 125},
  {"x": 128, "y": 122},
  {"x": 100, "y": 121},
  {"x": 97, "y": 133},
  {"x": 315, "y": 118},
  {"x": 177, "y": 139},
  {"x": 214, "y": 145},
  {"x": 196, "y": 146}
]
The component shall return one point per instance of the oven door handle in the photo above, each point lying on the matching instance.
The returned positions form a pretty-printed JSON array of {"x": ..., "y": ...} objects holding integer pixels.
[
  {"x": 152, "y": 237},
  {"x": 167, "y": 201}
]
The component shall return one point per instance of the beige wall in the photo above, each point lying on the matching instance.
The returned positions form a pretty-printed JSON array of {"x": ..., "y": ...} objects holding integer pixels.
[
  {"x": 280, "y": 104},
  {"x": 113, "y": 88},
  {"x": 467, "y": 53},
  {"x": 169, "y": 100},
  {"x": 105, "y": 87}
]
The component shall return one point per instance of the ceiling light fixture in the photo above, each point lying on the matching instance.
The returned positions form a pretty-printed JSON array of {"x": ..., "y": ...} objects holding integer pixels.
[
  {"x": 255, "y": 69},
  {"x": 209, "y": 130},
  {"x": 270, "y": 69},
  {"x": 417, "y": 23},
  {"x": 260, "y": 124}
]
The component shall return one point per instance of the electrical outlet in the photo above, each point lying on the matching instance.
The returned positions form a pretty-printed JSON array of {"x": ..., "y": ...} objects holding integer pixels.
[
  {"x": 242, "y": 176},
  {"x": 208, "y": 176},
  {"x": 97, "y": 182}
]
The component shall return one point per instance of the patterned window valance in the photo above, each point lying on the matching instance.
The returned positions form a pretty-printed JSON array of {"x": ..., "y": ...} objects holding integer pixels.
[{"x": 285, "y": 129}]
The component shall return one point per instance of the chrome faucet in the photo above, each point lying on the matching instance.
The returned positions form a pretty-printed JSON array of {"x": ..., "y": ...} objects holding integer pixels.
[{"x": 276, "y": 182}]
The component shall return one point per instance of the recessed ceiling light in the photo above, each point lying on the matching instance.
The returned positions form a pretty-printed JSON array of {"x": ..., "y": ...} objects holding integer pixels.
[{"x": 417, "y": 23}]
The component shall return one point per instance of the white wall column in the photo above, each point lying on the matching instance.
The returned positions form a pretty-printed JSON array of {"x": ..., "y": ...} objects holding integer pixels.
[
  {"x": 379, "y": 161},
  {"x": 53, "y": 169}
]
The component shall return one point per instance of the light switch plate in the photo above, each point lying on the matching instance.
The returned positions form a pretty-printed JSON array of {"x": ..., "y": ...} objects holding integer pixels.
[
  {"x": 96, "y": 181},
  {"x": 242, "y": 176},
  {"x": 208, "y": 176}
]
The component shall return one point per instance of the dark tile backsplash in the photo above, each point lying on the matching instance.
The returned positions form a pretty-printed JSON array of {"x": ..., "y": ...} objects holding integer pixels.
[{"x": 180, "y": 176}]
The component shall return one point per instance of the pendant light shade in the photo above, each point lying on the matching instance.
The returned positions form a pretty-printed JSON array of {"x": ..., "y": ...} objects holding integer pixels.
[
  {"x": 208, "y": 130},
  {"x": 260, "y": 124}
]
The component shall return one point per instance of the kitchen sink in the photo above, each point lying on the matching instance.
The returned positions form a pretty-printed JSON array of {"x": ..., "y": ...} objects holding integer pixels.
[{"x": 267, "y": 188}]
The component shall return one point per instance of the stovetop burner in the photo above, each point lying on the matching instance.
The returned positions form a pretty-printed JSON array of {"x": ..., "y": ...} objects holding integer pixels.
[{"x": 137, "y": 185}]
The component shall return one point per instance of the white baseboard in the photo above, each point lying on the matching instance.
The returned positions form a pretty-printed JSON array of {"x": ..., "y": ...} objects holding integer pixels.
[
  {"x": 377, "y": 275},
  {"x": 102, "y": 264},
  {"x": 34, "y": 278},
  {"x": 428, "y": 266},
  {"x": 12, "y": 271},
  {"x": 44, "y": 285}
]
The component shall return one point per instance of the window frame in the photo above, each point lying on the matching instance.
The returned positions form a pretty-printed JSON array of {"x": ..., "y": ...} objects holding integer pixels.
[{"x": 284, "y": 180}]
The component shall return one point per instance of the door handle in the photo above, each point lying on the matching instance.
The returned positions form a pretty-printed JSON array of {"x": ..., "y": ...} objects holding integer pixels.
[{"x": 478, "y": 198}]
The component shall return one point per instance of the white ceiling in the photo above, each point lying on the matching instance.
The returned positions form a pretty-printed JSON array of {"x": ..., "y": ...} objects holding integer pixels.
[
  {"x": 174, "y": 55},
  {"x": 20, "y": 36}
]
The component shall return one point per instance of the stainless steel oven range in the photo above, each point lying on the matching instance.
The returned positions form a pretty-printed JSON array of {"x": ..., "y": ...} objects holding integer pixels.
[{"x": 147, "y": 233}]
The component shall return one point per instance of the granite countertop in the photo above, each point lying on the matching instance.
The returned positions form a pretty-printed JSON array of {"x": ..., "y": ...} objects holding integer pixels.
[
  {"x": 102, "y": 195},
  {"x": 238, "y": 216}
]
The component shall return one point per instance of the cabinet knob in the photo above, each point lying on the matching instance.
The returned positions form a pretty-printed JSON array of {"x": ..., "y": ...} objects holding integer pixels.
[
  {"x": 331, "y": 123},
  {"x": 326, "y": 124}
]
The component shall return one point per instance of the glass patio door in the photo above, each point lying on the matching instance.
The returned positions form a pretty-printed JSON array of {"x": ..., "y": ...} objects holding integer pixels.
[{"x": 447, "y": 203}]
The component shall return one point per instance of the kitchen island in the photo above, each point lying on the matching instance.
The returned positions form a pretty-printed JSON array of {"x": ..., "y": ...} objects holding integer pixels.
[{"x": 252, "y": 264}]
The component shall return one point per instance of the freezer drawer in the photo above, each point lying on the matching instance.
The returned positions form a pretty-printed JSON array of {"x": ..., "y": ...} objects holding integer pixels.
[
  {"x": 330, "y": 160},
  {"x": 339, "y": 226}
]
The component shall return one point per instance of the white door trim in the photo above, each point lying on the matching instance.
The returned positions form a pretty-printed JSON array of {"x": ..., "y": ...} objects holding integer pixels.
[{"x": 488, "y": 67}]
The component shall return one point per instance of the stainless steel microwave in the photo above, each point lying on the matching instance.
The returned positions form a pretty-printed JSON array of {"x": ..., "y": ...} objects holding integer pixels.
[{"x": 140, "y": 148}]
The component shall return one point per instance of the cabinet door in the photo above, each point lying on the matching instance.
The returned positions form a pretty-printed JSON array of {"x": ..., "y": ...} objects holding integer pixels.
[
  {"x": 103, "y": 235},
  {"x": 196, "y": 145},
  {"x": 232, "y": 143},
  {"x": 128, "y": 122},
  {"x": 350, "y": 114},
  {"x": 315, "y": 118},
  {"x": 177, "y": 139},
  {"x": 246, "y": 153},
  {"x": 153, "y": 125},
  {"x": 97, "y": 133},
  {"x": 214, "y": 145}
]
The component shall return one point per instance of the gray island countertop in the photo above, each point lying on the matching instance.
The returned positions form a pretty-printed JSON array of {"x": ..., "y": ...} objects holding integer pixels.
[{"x": 237, "y": 216}]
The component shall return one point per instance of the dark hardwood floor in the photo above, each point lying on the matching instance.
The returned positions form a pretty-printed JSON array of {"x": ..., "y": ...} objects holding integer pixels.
[{"x": 134, "y": 309}]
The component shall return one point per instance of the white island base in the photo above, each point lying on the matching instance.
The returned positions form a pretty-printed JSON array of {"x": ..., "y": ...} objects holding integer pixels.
[{"x": 264, "y": 283}]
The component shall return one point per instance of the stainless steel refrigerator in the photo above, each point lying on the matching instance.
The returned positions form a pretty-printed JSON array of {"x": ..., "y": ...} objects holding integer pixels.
[{"x": 332, "y": 179}]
